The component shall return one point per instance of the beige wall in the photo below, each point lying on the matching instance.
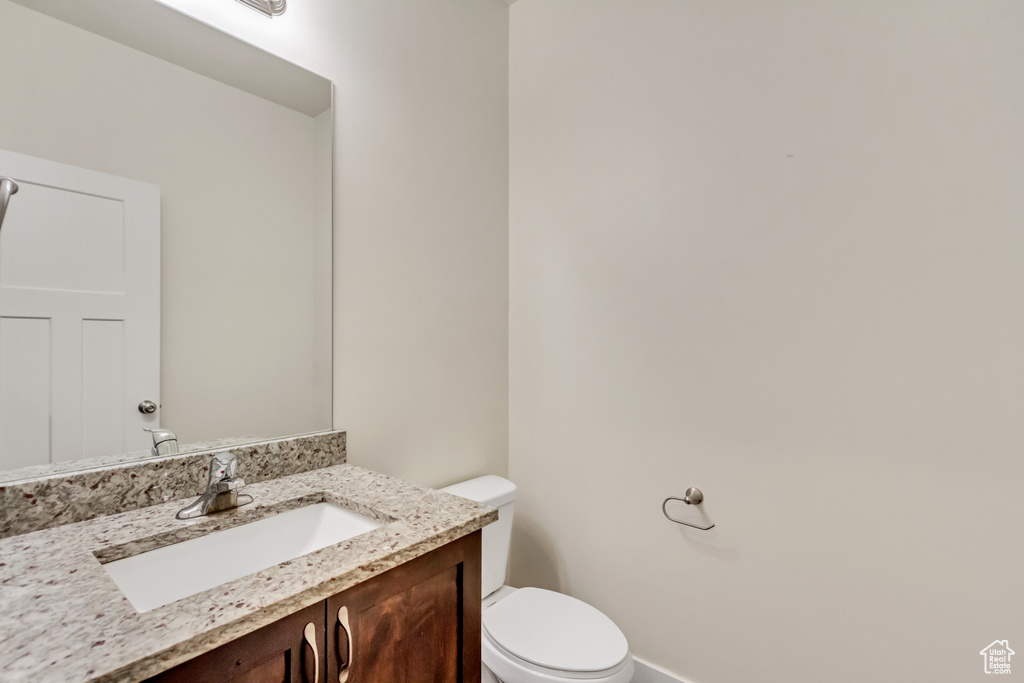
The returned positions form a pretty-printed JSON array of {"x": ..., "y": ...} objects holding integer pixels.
[
  {"x": 245, "y": 236},
  {"x": 773, "y": 250},
  {"x": 421, "y": 221},
  {"x": 421, "y": 264}
]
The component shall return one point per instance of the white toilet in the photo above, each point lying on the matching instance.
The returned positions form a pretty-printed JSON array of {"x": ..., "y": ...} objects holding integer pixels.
[{"x": 532, "y": 635}]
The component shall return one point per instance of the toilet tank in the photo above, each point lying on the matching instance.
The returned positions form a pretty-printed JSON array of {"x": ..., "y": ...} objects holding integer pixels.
[{"x": 498, "y": 493}]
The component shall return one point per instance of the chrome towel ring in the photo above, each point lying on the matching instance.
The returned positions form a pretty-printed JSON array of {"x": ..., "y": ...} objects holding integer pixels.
[{"x": 693, "y": 496}]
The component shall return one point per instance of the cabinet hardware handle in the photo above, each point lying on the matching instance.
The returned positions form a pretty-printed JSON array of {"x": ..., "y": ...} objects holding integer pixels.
[
  {"x": 344, "y": 655},
  {"x": 309, "y": 633}
]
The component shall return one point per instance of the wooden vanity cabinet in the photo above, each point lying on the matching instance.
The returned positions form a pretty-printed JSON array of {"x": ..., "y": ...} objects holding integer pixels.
[{"x": 416, "y": 623}]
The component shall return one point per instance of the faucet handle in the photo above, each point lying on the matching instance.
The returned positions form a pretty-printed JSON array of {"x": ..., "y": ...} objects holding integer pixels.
[
  {"x": 227, "y": 485},
  {"x": 222, "y": 466}
]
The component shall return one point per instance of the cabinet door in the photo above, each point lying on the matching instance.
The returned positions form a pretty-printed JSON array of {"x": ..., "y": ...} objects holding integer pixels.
[
  {"x": 278, "y": 653},
  {"x": 416, "y": 623}
]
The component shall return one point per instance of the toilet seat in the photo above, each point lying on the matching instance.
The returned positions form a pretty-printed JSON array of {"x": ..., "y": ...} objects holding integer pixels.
[
  {"x": 539, "y": 635},
  {"x": 511, "y": 669}
]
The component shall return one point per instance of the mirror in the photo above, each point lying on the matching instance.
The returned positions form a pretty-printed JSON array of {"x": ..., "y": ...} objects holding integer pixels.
[{"x": 238, "y": 144}]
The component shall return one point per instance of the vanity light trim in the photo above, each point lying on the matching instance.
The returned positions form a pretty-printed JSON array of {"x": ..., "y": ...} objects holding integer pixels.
[{"x": 271, "y": 8}]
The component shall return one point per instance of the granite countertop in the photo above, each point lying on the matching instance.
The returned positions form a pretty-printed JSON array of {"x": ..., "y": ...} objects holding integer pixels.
[{"x": 62, "y": 619}]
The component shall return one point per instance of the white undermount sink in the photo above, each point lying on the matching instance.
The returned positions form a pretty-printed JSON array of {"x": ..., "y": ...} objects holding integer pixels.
[{"x": 161, "y": 576}]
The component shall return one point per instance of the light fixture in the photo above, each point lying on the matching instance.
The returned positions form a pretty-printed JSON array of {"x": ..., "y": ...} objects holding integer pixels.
[{"x": 269, "y": 7}]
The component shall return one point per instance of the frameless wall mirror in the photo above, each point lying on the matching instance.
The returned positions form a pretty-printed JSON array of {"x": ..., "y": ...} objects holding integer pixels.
[{"x": 166, "y": 262}]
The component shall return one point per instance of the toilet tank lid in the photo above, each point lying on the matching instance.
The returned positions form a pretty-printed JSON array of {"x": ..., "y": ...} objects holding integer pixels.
[{"x": 490, "y": 490}]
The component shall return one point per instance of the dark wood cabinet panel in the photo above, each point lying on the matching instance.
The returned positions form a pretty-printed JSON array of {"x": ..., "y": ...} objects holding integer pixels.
[
  {"x": 277, "y": 653},
  {"x": 416, "y": 623},
  {"x": 272, "y": 670}
]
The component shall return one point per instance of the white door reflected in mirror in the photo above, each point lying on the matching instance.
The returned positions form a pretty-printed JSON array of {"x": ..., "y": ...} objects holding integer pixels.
[{"x": 79, "y": 313}]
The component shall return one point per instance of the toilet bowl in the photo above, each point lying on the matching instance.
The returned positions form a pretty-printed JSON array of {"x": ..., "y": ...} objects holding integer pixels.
[{"x": 531, "y": 635}]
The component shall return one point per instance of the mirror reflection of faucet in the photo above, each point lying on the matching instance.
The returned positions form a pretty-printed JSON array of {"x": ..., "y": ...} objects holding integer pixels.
[
  {"x": 7, "y": 188},
  {"x": 221, "y": 489},
  {"x": 164, "y": 442}
]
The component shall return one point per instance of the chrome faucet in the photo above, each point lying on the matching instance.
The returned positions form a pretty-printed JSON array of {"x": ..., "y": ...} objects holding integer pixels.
[
  {"x": 221, "y": 490},
  {"x": 164, "y": 442},
  {"x": 7, "y": 188}
]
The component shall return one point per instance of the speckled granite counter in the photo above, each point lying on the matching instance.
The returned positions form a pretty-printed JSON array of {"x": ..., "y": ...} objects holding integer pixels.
[{"x": 62, "y": 619}]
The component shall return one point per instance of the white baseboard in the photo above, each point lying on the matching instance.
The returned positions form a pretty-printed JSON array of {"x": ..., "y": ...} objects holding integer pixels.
[{"x": 649, "y": 673}]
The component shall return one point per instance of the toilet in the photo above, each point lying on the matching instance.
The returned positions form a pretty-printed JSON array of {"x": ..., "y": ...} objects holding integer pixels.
[{"x": 531, "y": 635}]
